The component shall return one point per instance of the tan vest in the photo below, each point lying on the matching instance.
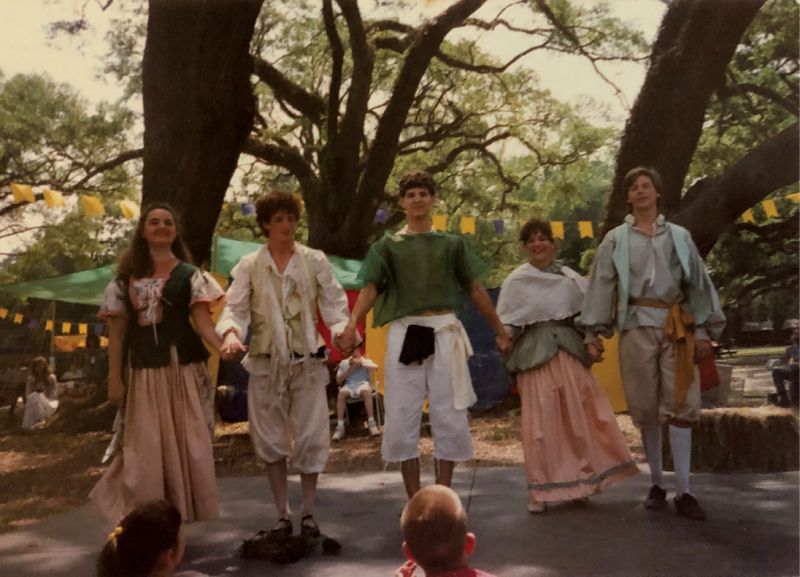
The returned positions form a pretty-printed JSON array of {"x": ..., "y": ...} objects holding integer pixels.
[{"x": 262, "y": 278}]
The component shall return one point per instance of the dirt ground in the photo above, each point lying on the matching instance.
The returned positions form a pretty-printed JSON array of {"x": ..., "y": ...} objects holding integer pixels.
[{"x": 43, "y": 473}]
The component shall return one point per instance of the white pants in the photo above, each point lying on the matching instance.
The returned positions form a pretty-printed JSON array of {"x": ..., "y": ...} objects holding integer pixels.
[
  {"x": 295, "y": 424},
  {"x": 407, "y": 386}
]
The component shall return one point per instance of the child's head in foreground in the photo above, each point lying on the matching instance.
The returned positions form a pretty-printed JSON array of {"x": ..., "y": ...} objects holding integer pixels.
[
  {"x": 435, "y": 530},
  {"x": 147, "y": 542}
]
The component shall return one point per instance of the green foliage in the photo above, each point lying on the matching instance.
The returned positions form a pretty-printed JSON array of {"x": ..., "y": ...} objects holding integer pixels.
[{"x": 756, "y": 268}]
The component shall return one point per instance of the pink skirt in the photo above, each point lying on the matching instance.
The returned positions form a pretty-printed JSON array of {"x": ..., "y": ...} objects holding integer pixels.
[
  {"x": 167, "y": 447},
  {"x": 572, "y": 444}
]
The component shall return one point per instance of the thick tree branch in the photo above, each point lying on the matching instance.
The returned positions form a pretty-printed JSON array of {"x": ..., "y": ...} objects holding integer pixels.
[
  {"x": 308, "y": 104},
  {"x": 337, "y": 62},
  {"x": 285, "y": 156}
]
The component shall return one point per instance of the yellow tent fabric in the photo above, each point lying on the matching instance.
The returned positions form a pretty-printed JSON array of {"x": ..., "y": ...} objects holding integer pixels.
[
  {"x": 22, "y": 192},
  {"x": 376, "y": 347},
  {"x": 53, "y": 198},
  {"x": 71, "y": 343},
  {"x": 557, "y": 227},
  {"x": 607, "y": 374},
  {"x": 92, "y": 206}
]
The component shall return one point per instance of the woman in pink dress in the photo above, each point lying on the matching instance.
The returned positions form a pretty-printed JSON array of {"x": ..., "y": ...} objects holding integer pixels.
[
  {"x": 158, "y": 374},
  {"x": 571, "y": 442}
]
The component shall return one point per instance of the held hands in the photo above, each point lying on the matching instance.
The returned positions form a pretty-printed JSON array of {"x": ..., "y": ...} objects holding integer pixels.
[
  {"x": 346, "y": 341},
  {"x": 595, "y": 350},
  {"x": 231, "y": 346},
  {"x": 503, "y": 342},
  {"x": 702, "y": 350}
]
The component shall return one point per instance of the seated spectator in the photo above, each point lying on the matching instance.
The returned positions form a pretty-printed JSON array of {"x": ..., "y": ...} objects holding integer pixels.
[
  {"x": 40, "y": 394},
  {"x": 434, "y": 527},
  {"x": 353, "y": 376},
  {"x": 789, "y": 371},
  {"x": 147, "y": 543}
]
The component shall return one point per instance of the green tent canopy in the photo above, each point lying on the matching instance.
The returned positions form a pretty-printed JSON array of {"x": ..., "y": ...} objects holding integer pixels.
[{"x": 86, "y": 287}]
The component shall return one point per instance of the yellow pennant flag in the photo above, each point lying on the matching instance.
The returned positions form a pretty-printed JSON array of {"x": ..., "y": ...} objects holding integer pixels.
[
  {"x": 130, "y": 209},
  {"x": 22, "y": 192},
  {"x": 439, "y": 222},
  {"x": 585, "y": 229},
  {"x": 557, "y": 226},
  {"x": 53, "y": 198},
  {"x": 66, "y": 328},
  {"x": 92, "y": 206},
  {"x": 48, "y": 326},
  {"x": 748, "y": 216},
  {"x": 83, "y": 328},
  {"x": 793, "y": 197},
  {"x": 769, "y": 208},
  {"x": 3, "y": 313},
  {"x": 467, "y": 225},
  {"x": 18, "y": 319}
]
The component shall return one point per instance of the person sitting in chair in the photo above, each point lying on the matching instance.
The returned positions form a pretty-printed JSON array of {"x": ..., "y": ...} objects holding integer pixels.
[
  {"x": 353, "y": 378},
  {"x": 788, "y": 370}
]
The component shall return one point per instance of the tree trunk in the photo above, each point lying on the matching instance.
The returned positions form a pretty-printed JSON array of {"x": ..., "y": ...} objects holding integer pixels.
[
  {"x": 198, "y": 107},
  {"x": 695, "y": 43}
]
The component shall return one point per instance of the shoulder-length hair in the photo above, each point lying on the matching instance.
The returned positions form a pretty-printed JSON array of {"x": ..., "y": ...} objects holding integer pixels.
[{"x": 136, "y": 261}]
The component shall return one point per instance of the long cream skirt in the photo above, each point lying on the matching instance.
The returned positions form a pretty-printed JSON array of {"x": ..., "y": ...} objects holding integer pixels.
[{"x": 167, "y": 446}]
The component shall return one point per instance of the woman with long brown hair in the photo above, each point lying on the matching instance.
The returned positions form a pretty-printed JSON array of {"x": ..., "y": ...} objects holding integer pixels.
[{"x": 158, "y": 374}]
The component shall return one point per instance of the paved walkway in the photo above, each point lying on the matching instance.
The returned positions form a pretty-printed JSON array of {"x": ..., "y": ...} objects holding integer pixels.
[{"x": 752, "y": 531}]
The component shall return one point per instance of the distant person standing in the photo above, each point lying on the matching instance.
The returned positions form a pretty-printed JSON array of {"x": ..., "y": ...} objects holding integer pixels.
[{"x": 649, "y": 283}]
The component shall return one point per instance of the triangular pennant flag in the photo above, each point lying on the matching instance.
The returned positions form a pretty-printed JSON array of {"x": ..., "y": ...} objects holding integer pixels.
[
  {"x": 793, "y": 197},
  {"x": 3, "y": 313},
  {"x": 48, "y": 326},
  {"x": 748, "y": 216},
  {"x": 66, "y": 328},
  {"x": 98, "y": 328},
  {"x": 499, "y": 226},
  {"x": 770, "y": 210},
  {"x": 439, "y": 222},
  {"x": 248, "y": 208},
  {"x": 22, "y": 192},
  {"x": 83, "y": 328},
  {"x": 130, "y": 209},
  {"x": 557, "y": 227},
  {"x": 585, "y": 229},
  {"x": 381, "y": 215},
  {"x": 467, "y": 225},
  {"x": 53, "y": 198},
  {"x": 32, "y": 324},
  {"x": 92, "y": 206},
  {"x": 18, "y": 319}
]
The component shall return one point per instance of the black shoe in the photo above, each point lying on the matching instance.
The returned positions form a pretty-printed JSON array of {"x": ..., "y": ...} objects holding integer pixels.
[
  {"x": 309, "y": 527},
  {"x": 687, "y": 506},
  {"x": 656, "y": 499},
  {"x": 283, "y": 528}
]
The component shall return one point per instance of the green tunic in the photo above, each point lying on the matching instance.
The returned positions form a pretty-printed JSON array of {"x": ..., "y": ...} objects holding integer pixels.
[{"x": 418, "y": 272}]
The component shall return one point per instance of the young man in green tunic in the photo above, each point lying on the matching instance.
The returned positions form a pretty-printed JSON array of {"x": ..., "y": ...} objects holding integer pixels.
[{"x": 415, "y": 278}]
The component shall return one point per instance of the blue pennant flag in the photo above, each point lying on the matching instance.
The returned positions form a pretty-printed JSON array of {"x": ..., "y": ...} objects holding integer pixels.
[{"x": 499, "y": 226}]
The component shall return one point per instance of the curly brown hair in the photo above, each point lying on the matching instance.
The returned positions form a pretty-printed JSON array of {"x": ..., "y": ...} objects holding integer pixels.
[
  {"x": 417, "y": 179},
  {"x": 135, "y": 261},
  {"x": 274, "y": 202},
  {"x": 534, "y": 225}
]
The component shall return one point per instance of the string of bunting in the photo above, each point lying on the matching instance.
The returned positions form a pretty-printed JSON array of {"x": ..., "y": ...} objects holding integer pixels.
[
  {"x": 50, "y": 325},
  {"x": 94, "y": 208}
]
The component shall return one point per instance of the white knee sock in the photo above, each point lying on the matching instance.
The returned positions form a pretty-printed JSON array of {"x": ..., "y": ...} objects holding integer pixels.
[
  {"x": 680, "y": 441},
  {"x": 651, "y": 439}
]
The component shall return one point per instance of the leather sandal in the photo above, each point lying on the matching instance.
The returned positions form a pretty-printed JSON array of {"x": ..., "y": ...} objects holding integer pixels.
[
  {"x": 309, "y": 527},
  {"x": 283, "y": 527}
]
